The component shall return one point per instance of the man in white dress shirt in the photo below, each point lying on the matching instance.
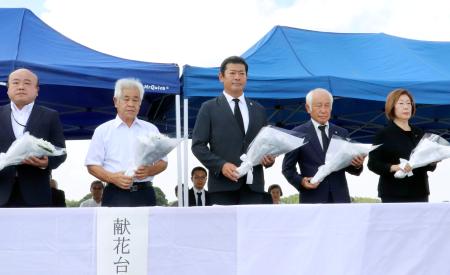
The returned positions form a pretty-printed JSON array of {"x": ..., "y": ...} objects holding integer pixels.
[
  {"x": 111, "y": 151},
  {"x": 97, "y": 193}
]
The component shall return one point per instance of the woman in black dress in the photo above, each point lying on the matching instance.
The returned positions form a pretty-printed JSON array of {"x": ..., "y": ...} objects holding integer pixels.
[{"x": 398, "y": 139}]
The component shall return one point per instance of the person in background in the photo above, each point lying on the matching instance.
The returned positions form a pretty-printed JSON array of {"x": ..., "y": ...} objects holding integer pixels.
[
  {"x": 334, "y": 188},
  {"x": 225, "y": 127},
  {"x": 276, "y": 193},
  {"x": 198, "y": 196},
  {"x": 27, "y": 184},
  {"x": 397, "y": 141},
  {"x": 58, "y": 196},
  {"x": 97, "y": 193},
  {"x": 111, "y": 151}
]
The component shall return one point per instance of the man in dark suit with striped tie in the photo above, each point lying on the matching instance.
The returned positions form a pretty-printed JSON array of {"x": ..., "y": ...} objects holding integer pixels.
[
  {"x": 225, "y": 127},
  {"x": 333, "y": 189}
]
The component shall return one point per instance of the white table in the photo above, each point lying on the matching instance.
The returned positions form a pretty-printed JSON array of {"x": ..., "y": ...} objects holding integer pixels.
[{"x": 286, "y": 239}]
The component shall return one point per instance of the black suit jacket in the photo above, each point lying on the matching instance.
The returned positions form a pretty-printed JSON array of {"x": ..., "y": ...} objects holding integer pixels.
[
  {"x": 309, "y": 157},
  {"x": 58, "y": 198},
  {"x": 217, "y": 139},
  {"x": 34, "y": 182},
  {"x": 192, "y": 198},
  {"x": 397, "y": 144}
]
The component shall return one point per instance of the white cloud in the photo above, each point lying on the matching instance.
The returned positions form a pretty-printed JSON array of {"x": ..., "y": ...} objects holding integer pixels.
[{"x": 202, "y": 32}]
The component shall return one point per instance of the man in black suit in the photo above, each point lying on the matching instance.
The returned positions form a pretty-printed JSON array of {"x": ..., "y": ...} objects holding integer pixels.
[
  {"x": 333, "y": 189},
  {"x": 27, "y": 184},
  {"x": 225, "y": 127},
  {"x": 198, "y": 196},
  {"x": 58, "y": 196}
]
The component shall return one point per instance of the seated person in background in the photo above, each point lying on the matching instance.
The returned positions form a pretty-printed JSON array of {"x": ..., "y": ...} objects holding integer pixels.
[
  {"x": 198, "y": 196},
  {"x": 97, "y": 193},
  {"x": 58, "y": 196},
  {"x": 276, "y": 193}
]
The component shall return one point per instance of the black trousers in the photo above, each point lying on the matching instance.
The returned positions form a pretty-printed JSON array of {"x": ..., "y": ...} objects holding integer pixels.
[
  {"x": 244, "y": 195},
  {"x": 391, "y": 199},
  {"x": 114, "y": 196},
  {"x": 16, "y": 199}
]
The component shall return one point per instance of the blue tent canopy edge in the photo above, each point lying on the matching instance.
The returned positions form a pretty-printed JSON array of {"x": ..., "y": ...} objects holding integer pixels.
[
  {"x": 74, "y": 79},
  {"x": 358, "y": 69}
]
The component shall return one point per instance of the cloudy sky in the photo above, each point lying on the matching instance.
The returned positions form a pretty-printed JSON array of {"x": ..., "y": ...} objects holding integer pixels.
[{"x": 204, "y": 32}]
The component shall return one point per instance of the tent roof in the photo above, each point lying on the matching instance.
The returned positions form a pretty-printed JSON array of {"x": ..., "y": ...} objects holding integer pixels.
[
  {"x": 74, "y": 79},
  {"x": 356, "y": 68}
]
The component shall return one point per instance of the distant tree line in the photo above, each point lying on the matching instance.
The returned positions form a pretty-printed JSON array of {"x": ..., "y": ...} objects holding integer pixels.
[{"x": 160, "y": 199}]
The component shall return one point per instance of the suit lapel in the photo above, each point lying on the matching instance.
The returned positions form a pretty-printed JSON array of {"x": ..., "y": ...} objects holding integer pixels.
[
  {"x": 332, "y": 131},
  {"x": 32, "y": 120},
  {"x": 251, "y": 115},
  {"x": 6, "y": 121}
]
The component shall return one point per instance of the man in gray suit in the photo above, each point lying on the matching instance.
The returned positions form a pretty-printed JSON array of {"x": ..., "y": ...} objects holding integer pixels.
[
  {"x": 225, "y": 127},
  {"x": 333, "y": 189}
]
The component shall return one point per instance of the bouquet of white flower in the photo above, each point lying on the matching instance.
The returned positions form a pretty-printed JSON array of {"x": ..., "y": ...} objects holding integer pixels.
[
  {"x": 150, "y": 148},
  {"x": 28, "y": 146},
  {"x": 339, "y": 155},
  {"x": 269, "y": 141},
  {"x": 431, "y": 148}
]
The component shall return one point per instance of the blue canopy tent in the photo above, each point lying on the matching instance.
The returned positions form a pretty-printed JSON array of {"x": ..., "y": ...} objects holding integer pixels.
[
  {"x": 75, "y": 80},
  {"x": 358, "y": 69}
]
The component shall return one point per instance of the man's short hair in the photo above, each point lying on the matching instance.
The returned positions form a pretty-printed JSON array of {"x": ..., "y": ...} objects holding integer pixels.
[
  {"x": 124, "y": 83},
  {"x": 32, "y": 73},
  {"x": 97, "y": 182},
  {"x": 275, "y": 186},
  {"x": 309, "y": 96},
  {"x": 391, "y": 100},
  {"x": 198, "y": 168},
  {"x": 233, "y": 60}
]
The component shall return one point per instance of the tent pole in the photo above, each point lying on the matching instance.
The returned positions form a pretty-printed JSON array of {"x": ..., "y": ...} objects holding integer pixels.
[
  {"x": 179, "y": 168},
  {"x": 186, "y": 159}
]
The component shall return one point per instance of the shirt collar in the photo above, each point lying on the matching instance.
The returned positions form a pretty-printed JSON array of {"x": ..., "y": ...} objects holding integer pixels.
[
  {"x": 118, "y": 121},
  {"x": 317, "y": 124},
  {"x": 197, "y": 190},
  {"x": 230, "y": 98},
  {"x": 26, "y": 109}
]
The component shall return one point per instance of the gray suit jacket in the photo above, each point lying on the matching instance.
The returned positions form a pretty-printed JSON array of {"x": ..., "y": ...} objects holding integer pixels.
[
  {"x": 217, "y": 139},
  {"x": 309, "y": 157}
]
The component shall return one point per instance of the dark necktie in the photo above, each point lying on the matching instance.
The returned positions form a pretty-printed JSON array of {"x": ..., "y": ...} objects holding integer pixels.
[
  {"x": 325, "y": 139},
  {"x": 199, "y": 199},
  {"x": 238, "y": 115}
]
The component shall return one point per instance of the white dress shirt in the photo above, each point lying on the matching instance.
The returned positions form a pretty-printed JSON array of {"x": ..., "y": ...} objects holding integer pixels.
[
  {"x": 196, "y": 196},
  {"x": 112, "y": 145},
  {"x": 242, "y": 107},
  {"x": 90, "y": 203},
  {"x": 319, "y": 133},
  {"x": 19, "y": 118}
]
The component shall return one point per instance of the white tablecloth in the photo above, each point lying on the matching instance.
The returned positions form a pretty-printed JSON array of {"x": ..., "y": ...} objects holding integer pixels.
[{"x": 286, "y": 239}]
